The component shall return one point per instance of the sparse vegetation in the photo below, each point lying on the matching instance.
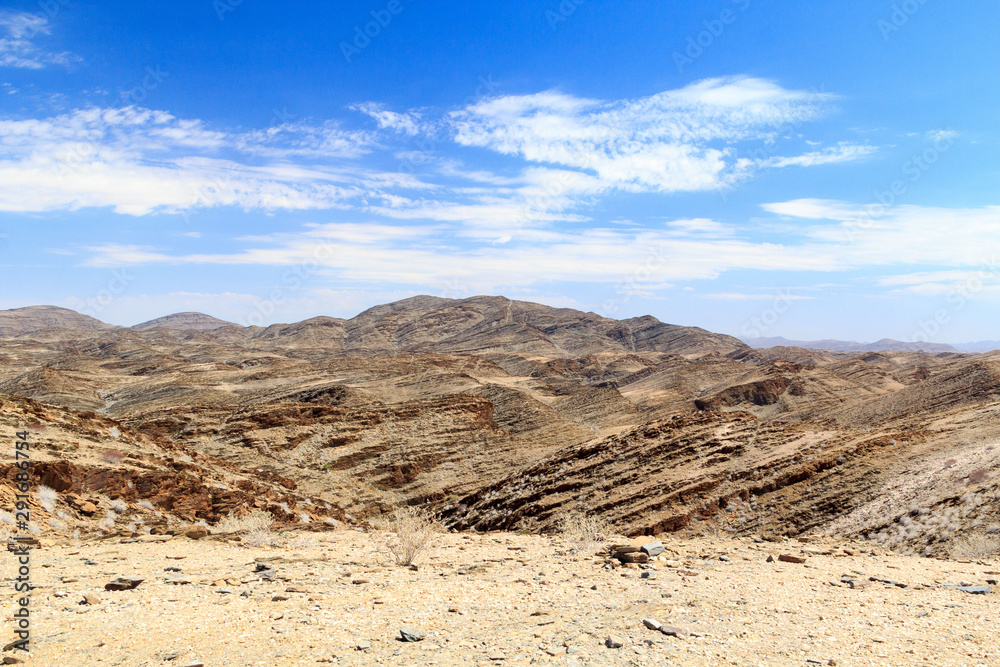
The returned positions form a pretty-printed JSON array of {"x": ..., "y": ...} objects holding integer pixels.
[
  {"x": 254, "y": 528},
  {"x": 47, "y": 498},
  {"x": 406, "y": 535},
  {"x": 588, "y": 533},
  {"x": 974, "y": 547}
]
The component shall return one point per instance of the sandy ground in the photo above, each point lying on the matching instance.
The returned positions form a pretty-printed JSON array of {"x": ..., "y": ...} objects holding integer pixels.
[{"x": 502, "y": 599}]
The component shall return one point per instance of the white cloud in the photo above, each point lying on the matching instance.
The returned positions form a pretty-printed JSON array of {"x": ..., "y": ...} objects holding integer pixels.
[
  {"x": 139, "y": 161},
  {"x": 17, "y": 48},
  {"x": 419, "y": 256},
  {"x": 736, "y": 296},
  {"x": 410, "y": 123},
  {"x": 903, "y": 235},
  {"x": 832, "y": 155},
  {"x": 674, "y": 141},
  {"x": 815, "y": 209}
]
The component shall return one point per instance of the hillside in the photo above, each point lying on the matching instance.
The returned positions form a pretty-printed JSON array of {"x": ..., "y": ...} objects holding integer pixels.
[
  {"x": 185, "y": 322},
  {"x": 19, "y": 321},
  {"x": 500, "y": 414}
]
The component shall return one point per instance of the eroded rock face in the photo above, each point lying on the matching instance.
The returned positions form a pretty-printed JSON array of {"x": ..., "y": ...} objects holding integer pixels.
[{"x": 496, "y": 413}]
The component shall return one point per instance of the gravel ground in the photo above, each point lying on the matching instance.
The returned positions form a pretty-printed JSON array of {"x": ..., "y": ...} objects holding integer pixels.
[{"x": 504, "y": 599}]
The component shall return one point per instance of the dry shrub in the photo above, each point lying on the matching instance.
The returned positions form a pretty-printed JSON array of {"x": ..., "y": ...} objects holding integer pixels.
[
  {"x": 406, "y": 535},
  {"x": 304, "y": 541},
  {"x": 589, "y": 533},
  {"x": 254, "y": 529},
  {"x": 974, "y": 547},
  {"x": 47, "y": 497}
]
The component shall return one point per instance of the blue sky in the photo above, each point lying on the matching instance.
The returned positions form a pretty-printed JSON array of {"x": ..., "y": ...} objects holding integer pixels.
[{"x": 809, "y": 170}]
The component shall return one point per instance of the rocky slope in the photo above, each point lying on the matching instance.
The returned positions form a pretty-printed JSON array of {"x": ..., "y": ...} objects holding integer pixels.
[{"x": 503, "y": 414}]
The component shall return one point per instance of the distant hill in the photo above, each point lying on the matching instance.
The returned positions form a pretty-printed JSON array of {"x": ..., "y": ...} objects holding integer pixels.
[
  {"x": 981, "y": 346},
  {"x": 186, "y": 321},
  {"x": 496, "y": 325},
  {"x": 884, "y": 345},
  {"x": 20, "y": 321}
]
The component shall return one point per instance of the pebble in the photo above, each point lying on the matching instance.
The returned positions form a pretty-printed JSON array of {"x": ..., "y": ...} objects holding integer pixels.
[
  {"x": 653, "y": 548},
  {"x": 122, "y": 584},
  {"x": 408, "y": 634},
  {"x": 614, "y": 641}
]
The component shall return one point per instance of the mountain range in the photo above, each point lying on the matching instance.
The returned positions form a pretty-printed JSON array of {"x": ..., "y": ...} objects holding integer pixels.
[{"x": 496, "y": 413}]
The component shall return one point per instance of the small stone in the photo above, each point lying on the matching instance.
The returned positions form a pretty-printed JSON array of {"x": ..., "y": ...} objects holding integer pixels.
[
  {"x": 358, "y": 582},
  {"x": 976, "y": 590},
  {"x": 496, "y": 656},
  {"x": 408, "y": 634},
  {"x": 614, "y": 641},
  {"x": 196, "y": 663},
  {"x": 632, "y": 557},
  {"x": 724, "y": 558},
  {"x": 624, "y": 549},
  {"x": 363, "y": 646},
  {"x": 11, "y": 660},
  {"x": 648, "y": 575},
  {"x": 91, "y": 599},
  {"x": 789, "y": 558},
  {"x": 556, "y": 651},
  {"x": 770, "y": 558},
  {"x": 122, "y": 584},
  {"x": 672, "y": 631},
  {"x": 653, "y": 548},
  {"x": 279, "y": 598},
  {"x": 196, "y": 532},
  {"x": 652, "y": 624},
  {"x": 296, "y": 589}
]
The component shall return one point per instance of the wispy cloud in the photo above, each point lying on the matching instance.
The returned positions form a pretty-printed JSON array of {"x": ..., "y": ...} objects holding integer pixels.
[
  {"x": 833, "y": 155},
  {"x": 18, "y": 31},
  {"x": 674, "y": 141}
]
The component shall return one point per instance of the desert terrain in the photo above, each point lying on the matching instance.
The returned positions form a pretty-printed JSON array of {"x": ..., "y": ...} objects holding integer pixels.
[{"x": 534, "y": 439}]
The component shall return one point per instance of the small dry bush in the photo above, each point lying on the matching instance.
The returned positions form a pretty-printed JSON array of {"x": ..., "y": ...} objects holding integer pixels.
[
  {"x": 974, "y": 547},
  {"x": 588, "y": 533},
  {"x": 304, "y": 541},
  {"x": 254, "y": 529},
  {"x": 47, "y": 498},
  {"x": 406, "y": 535}
]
